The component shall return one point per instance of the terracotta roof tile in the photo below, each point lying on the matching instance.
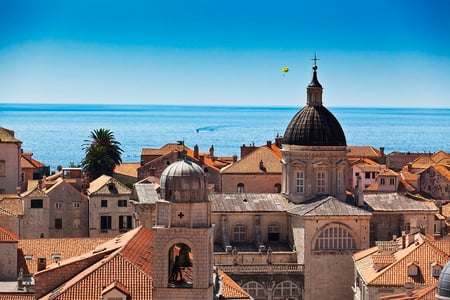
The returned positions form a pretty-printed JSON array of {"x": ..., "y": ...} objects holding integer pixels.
[
  {"x": 230, "y": 289},
  {"x": 16, "y": 297},
  {"x": 7, "y": 236},
  {"x": 129, "y": 169},
  {"x": 11, "y": 204},
  {"x": 363, "y": 151},
  {"x": 439, "y": 156},
  {"x": 44, "y": 248},
  {"x": 425, "y": 293},
  {"x": 422, "y": 252},
  {"x": 251, "y": 162},
  {"x": 99, "y": 186},
  {"x": 443, "y": 170},
  {"x": 7, "y": 136}
]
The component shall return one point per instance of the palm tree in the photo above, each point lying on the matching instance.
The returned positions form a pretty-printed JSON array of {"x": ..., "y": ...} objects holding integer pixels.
[{"x": 103, "y": 153}]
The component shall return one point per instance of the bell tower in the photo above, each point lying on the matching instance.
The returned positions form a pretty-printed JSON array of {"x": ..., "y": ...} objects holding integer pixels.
[{"x": 183, "y": 235}]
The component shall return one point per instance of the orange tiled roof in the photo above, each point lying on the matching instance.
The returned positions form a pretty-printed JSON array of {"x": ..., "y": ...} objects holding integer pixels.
[
  {"x": 251, "y": 162},
  {"x": 422, "y": 162},
  {"x": 163, "y": 150},
  {"x": 363, "y": 151},
  {"x": 388, "y": 172},
  {"x": 129, "y": 263},
  {"x": 11, "y": 205},
  {"x": 30, "y": 163},
  {"x": 7, "y": 236},
  {"x": 230, "y": 289},
  {"x": 129, "y": 169},
  {"x": 443, "y": 170},
  {"x": 422, "y": 252},
  {"x": 7, "y": 136},
  {"x": 99, "y": 185},
  {"x": 16, "y": 297},
  {"x": 439, "y": 156},
  {"x": 44, "y": 248},
  {"x": 425, "y": 293}
]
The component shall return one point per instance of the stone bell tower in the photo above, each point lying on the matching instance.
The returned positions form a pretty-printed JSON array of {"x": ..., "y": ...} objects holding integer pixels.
[{"x": 183, "y": 235}]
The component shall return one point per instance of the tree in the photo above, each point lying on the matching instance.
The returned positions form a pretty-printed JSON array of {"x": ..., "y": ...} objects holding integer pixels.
[{"x": 103, "y": 153}]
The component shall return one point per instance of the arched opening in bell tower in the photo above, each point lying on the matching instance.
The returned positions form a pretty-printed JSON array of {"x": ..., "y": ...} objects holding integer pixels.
[{"x": 181, "y": 273}]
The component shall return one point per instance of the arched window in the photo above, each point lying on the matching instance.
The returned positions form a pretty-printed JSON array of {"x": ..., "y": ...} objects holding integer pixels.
[
  {"x": 180, "y": 266},
  {"x": 240, "y": 187},
  {"x": 255, "y": 289},
  {"x": 277, "y": 188},
  {"x": 286, "y": 290},
  {"x": 335, "y": 238},
  {"x": 273, "y": 232},
  {"x": 239, "y": 233}
]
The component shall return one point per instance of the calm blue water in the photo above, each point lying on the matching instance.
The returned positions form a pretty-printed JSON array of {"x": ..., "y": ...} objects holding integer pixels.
[{"x": 56, "y": 133}]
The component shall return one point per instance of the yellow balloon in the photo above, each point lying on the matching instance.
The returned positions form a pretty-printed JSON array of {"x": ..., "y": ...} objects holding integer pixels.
[{"x": 285, "y": 69}]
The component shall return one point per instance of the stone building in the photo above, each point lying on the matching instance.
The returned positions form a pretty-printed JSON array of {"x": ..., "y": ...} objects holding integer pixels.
[
  {"x": 10, "y": 159},
  {"x": 36, "y": 212},
  {"x": 110, "y": 213},
  {"x": 69, "y": 211},
  {"x": 435, "y": 181},
  {"x": 257, "y": 172}
]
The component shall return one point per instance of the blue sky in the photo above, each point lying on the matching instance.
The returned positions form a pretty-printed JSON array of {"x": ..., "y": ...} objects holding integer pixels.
[{"x": 372, "y": 53}]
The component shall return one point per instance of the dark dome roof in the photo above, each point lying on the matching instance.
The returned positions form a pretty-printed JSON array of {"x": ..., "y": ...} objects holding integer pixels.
[
  {"x": 314, "y": 126},
  {"x": 443, "y": 288},
  {"x": 184, "y": 181}
]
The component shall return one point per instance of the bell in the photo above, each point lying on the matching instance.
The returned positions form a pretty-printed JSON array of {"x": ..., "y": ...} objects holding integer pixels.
[{"x": 184, "y": 256}]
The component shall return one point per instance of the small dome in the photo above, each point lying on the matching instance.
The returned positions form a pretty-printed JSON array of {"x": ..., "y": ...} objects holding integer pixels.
[
  {"x": 443, "y": 287},
  {"x": 184, "y": 181},
  {"x": 314, "y": 126}
]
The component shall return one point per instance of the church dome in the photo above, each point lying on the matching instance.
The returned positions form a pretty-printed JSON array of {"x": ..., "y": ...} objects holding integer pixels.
[
  {"x": 443, "y": 287},
  {"x": 184, "y": 181},
  {"x": 314, "y": 125}
]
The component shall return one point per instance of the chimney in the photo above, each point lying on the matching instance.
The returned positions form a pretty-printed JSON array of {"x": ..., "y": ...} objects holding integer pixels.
[
  {"x": 409, "y": 288},
  {"x": 196, "y": 151},
  {"x": 202, "y": 159},
  {"x": 42, "y": 264},
  {"x": 235, "y": 157},
  {"x": 245, "y": 150},
  {"x": 279, "y": 141},
  {"x": 269, "y": 144},
  {"x": 382, "y": 151},
  {"x": 211, "y": 152},
  {"x": 359, "y": 192},
  {"x": 409, "y": 165}
]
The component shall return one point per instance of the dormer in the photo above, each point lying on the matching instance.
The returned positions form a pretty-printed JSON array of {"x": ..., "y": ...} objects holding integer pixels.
[
  {"x": 413, "y": 268},
  {"x": 436, "y": 269},
  {"x": 116, "y": 291}
]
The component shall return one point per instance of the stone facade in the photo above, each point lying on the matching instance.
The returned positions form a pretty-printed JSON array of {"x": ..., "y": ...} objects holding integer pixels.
[
  {"x": 8, "y": 260},
  {"x": 321, "y": 172},
  {"x": 36, "y": 212},
  {"x": 435, "y": 181},
  {"x": 110, "y": 212},
  {"x": 69, "y": 211},
  {"x": 10, "y": 156}
]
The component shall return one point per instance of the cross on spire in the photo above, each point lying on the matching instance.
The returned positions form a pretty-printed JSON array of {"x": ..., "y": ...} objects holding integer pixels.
[
  {"x": 180, "y": 215},
  {"x": 315, "y": 59}
]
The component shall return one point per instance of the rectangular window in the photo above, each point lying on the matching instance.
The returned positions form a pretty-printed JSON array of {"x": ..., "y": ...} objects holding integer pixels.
[
  {"x": 76, "y": 204},
  {"x": 320, "y": 182},
  {"x": 300, "y": 183},
  {"x": 58, "y": 204},
  {"x": 239, "y": 233},
  {"x": 391, "y": 181},
  {"x": 105, "y": 223},
  {"x": 125, "y": 223},
  {"x": 104, "y": 203},
  {"x": 58, "y": 223},
  {"x": 367, "y": 175},
  {"x": 374, "y": 174},
  {"x": 37, "y": 203},
  {"x": 2, "y": 168},
  {"x": 122, "y": 203},
  {"x": 382, "y": 181}
]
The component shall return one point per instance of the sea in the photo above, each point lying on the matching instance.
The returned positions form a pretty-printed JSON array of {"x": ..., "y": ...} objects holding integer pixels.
[{"x": 56, "y": 133}]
